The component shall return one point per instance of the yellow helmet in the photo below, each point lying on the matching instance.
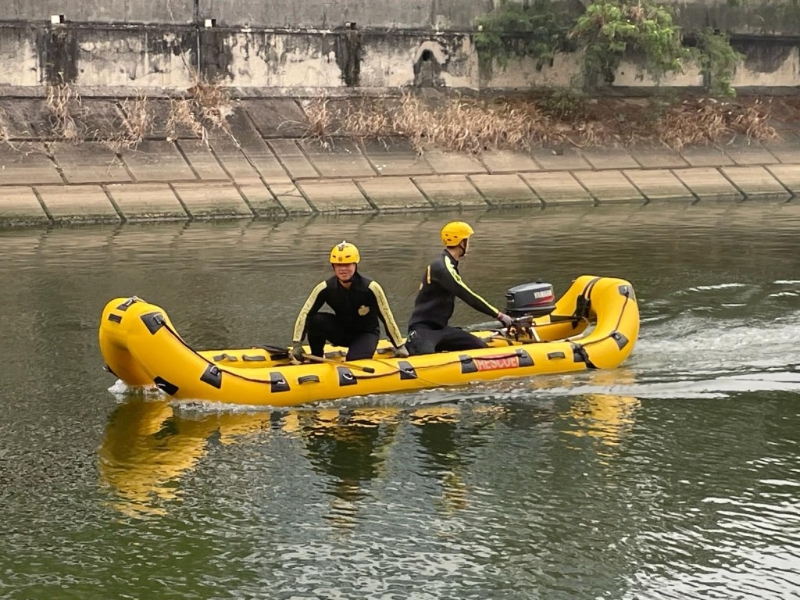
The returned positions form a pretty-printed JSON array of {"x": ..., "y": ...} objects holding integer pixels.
[
  {"x": 344, "y": 253},
  {"x": 455, "y": 231}
]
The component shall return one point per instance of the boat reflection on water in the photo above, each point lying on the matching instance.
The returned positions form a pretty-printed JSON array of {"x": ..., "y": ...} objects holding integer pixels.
[
  {"x": 603, "y": 416},
  {"x": 350, "y": 446},
  {"x": 147, "y": 448},
  {"x": 149, "y": 444}
]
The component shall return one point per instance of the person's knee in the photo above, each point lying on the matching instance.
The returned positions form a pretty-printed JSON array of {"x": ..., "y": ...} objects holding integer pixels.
[{"x": 417, "y": 344}]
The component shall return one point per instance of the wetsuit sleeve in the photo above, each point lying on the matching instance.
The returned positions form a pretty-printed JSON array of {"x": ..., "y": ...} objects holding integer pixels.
[
  {"x": 312, "y": 305},
  {"x": 392, "y": 330},
  {"x": 450, "y": 280}
]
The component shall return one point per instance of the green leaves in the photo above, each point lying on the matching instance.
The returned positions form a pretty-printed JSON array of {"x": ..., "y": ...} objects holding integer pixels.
[{"x": 610, "y": 29}]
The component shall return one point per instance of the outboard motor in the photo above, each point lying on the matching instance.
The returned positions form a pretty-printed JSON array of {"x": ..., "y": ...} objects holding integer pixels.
[{"x": 530, "y": 300}]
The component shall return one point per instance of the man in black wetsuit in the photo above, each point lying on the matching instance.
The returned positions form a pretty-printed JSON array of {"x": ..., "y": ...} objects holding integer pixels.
[
  {"x": 428, "y": 330},
  {"x": 357, "y": 302}
]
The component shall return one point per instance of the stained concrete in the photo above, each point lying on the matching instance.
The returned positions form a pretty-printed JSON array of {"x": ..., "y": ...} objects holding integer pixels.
[
  {"x": 659, "y": 184},
  {"x": 393, "y": 193},
  {"x": 26, "y": 163},
  {"x": 505, "y": 189},
  {"x": 292, "y": 159},
  {"x": 19, "y": 206},
  {"x": 788, "y": 175},
  {"x": 88, "y": 162},
  {"x": 147, "y": 202},
  {"x": 708, "y": 183},
  {"x": 756, "y": 183},
  {"x": 154, "y": 160},
  {"x": 78, "y": 203},
  {"x": 212, "y": 199},
  {"x": 335, "y": 195},
  {"x": 201, "y": 160},
  {"x": 609, "y": 186},
  {"x": 395, "y": 156},
  {"x": 339, "y": 158},
  {"x": 244, "y": 172},
  {"x": 450, "y": 163},
  {"x": 557, "y": 187},
  {"x": 450, "y": 191}
]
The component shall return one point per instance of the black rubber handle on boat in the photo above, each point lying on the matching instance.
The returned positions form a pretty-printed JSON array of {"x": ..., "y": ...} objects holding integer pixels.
[
  {"x": 322, "y": 359},
  {"x": 285, "y": 351}
]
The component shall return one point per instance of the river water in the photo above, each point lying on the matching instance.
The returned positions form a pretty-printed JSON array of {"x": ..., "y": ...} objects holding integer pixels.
[{"x": 674, "y": 476}]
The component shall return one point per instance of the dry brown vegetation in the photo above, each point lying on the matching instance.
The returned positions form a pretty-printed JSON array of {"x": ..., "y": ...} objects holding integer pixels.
[
  {"x": 205, "y": 106},
  {"x": 521, "y": 123},
  {"x": 64, "y": 104},
  {"x": 450, "y": 123}
]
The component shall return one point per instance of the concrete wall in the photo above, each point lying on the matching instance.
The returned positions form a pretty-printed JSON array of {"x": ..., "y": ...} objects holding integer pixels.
[
  {"x": 168, "y": 57},
  {"x": 100, "y": 11},
  {"x": 767, "y": 17}
]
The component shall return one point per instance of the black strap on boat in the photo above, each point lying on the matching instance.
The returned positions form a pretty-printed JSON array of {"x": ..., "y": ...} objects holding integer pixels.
[
  {"x": 621, "y": 339},
  {"x": 170, "y": 389},
  {"x": 127, "y": 304},
  {"x": 406, "y": 370},
  {"x": 346, "y": 376},
  {"x": 583, "y": 303},
  {"x": 579, "y": 354},
  {"x": 154, "y": 321},
  {"x": 278, "y": 383},
  {"x": 212, "y": 376}
]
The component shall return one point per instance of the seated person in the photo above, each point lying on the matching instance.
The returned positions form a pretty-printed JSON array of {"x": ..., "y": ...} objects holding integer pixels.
[
  {"x": 357, "y": 302},
  {"x": 428, "y": 330}
]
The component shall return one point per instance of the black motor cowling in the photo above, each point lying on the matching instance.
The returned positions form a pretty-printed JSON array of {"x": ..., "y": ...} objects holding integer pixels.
[{"x": 530, "y": 300}]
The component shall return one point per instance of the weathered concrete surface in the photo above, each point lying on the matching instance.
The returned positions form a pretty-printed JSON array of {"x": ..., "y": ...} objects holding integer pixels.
[
  {"x": 89, "y": 162},
  {"x": 243, "y": 173},
  {"x": 609, "y": 186},
  {"x": 708, "y": 184},
  {"x": 756, "y": 183},
  {"x": 450, "y": 191},
  {"x": 557, "y": 187},
  {"x": 395, "y": 156},
  {"x": 25, "y": 163},
  {"x": 788, "y": 175},
  {"x": 659, "y": 184},
  {"x": 394, "y": 193},
  {"x": 155, "y": 160},
  {"x": 147, "y": 202},
  {"x": 19, "y": 206},
  {"x": 212, "y": 200},
  {"x": 450, "y": 163},
  {"x": 754, "y": 17},
  {"x": 505, "y": 189},
  {"x": 334, "y": 196},
  {"x": 77, "y": 203},
  {"x": 503, "y": 161},
  {"x": 337, "y": 44}
]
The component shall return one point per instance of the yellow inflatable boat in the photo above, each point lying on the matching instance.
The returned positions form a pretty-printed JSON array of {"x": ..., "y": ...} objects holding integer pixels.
[{"x": 594, "y": 325}]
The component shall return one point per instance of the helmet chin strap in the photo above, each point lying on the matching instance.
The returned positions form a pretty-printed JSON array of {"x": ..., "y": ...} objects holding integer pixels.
[{"x": 464, "y": 244}]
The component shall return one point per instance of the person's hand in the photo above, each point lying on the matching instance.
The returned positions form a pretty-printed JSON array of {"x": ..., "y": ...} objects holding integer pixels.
[
  {"x": 297, "y": 351},
  {"x": 505, "y": 319},
  {"x": 401, "y": 352}
]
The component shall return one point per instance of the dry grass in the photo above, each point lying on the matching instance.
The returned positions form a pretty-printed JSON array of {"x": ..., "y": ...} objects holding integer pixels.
[
  {"x": 708, "y": 121},
  {"x": 64, "y": 103},
  {"x": 136, "y": 124},
  {"x": 206, "y": 106},
  {"x": 474, "y": 126}
]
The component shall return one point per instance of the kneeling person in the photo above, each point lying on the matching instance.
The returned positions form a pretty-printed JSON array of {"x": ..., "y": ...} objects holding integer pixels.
[
  {"x": 357, "y": 302},
  {"x": 428, "y": 329}
]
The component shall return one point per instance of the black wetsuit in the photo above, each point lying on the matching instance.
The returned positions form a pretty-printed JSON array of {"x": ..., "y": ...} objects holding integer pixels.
[
  {"x": 355, "y": 322},
  {"x": 428, "y": 330}
]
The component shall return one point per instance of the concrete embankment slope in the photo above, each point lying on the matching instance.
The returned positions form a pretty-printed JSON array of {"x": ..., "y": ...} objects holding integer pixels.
[{"x": 263, "y": 167}]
